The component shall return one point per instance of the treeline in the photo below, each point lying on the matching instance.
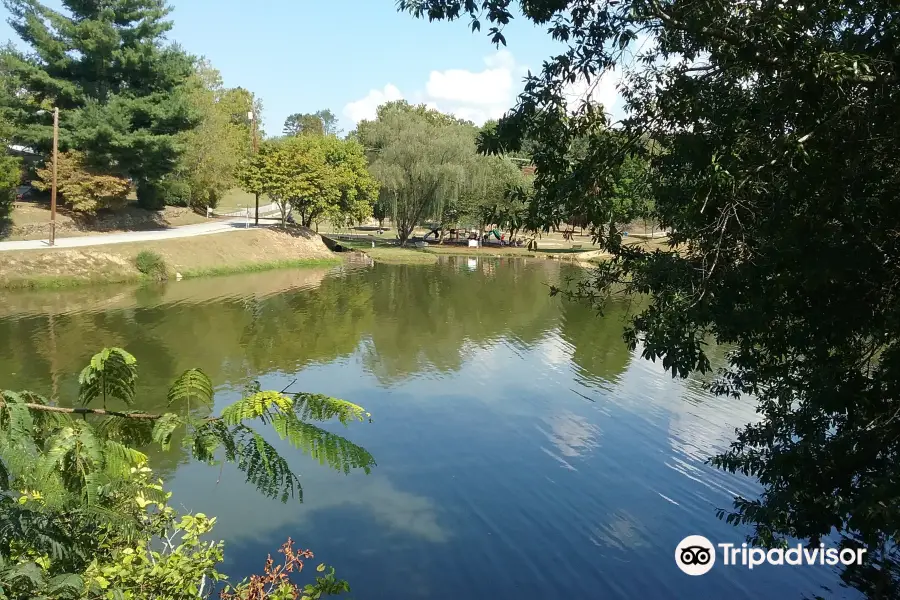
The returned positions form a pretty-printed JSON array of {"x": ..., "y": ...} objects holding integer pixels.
[{"x": 137, "y": 114}]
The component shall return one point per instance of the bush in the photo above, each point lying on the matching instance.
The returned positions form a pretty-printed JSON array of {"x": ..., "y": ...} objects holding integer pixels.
[
  {"x": 10, "y": 177},
  {"x": 151, "y": 196},
  {"x": 151, "y": 264},
  {"x": 203, "y": 198},
  {"x": 82, "y": 188},
  {"x": 177, "y": 193}
]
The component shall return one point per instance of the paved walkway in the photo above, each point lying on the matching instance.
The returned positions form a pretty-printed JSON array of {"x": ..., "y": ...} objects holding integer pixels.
[{"x": 100, "y": 239}]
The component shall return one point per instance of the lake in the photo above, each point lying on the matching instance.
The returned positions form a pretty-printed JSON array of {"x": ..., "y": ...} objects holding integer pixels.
[{"x": 522, "y": 450}]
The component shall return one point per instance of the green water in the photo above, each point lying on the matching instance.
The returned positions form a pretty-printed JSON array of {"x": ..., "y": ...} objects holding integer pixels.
[{"x": 523, "y": 451}]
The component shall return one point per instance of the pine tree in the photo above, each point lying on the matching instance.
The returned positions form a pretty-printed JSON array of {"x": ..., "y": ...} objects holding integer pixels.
[{"x": 118, "y": 83}]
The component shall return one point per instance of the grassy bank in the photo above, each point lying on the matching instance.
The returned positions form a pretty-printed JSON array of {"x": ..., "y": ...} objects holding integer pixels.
[
  {"x": 207, "y": 255},
  {"x": 385, "y": 251},
  {"x": 388, "y": 253},
  {"x": 258, "y": 267}
]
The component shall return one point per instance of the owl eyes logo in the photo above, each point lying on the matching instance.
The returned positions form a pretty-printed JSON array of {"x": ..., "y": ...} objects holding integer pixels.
[{"x": 695, "y": 555}]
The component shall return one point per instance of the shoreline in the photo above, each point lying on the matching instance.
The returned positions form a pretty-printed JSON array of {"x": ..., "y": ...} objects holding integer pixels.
[
  {"x": 63, "y": 282},
  {"x": 209, "y": 255}
]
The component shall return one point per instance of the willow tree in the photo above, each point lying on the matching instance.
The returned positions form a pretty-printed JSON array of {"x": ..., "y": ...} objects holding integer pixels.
[
  {"x": 779, "y": 183},
  {"x": 420, "y": 157},
  {"x": 489, "y": 192}
]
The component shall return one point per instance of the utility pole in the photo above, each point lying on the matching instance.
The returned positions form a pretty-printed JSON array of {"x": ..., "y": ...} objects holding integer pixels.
[
  {"x": 255, "y": 144},
  {"x": 53, "y": 183}
]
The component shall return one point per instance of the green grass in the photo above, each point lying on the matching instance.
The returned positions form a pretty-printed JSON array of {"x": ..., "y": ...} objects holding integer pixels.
[
  {"x": 401, "y": 256},
  {"x": 257, "y": 267},
  {"x": 237, "y": 198},
  {"x": 63, "y": 282},
  {"x": 150, "y": 264},
  {"x": 387, "y": 252}
]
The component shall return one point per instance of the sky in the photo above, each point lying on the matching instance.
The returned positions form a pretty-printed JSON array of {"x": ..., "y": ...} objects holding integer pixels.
[{"x": 350, "y": 56}]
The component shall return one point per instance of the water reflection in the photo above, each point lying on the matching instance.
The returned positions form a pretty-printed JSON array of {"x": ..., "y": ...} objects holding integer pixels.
[
  {"x": 573, "y": 436},
  {"x": 522, "y": 450}
]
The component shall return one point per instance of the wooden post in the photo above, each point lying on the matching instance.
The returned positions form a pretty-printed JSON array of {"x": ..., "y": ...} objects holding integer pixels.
[{"x": 53, "y": 184}]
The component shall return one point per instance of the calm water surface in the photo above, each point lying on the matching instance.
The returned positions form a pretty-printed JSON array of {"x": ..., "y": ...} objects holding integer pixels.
[{"x": 523, "y": 451}]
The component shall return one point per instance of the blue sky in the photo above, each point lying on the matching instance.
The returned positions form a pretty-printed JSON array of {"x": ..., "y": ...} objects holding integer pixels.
[{"x": 351, "y": 55}]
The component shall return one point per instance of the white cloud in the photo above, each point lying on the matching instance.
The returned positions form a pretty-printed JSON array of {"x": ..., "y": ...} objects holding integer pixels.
[
  {"x": 602, "y": 90},
  {"x": 473, "y": 95},
  {"x": 492, "y": 86},
  {"x": 365, "y": 107}
]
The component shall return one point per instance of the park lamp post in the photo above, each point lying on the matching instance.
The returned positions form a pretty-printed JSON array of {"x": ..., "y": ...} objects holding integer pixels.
[
  {"x": 53, "y": 181},
  {"x": 255, "y": 146}
]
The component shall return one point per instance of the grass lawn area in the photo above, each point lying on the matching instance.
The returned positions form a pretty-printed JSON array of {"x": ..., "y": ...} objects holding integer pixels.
[
  {"x": 386, "y": 251},
  {"x": 236, "y": 198}
]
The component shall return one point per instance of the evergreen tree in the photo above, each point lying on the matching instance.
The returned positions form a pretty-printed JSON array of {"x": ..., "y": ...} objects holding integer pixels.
[{"x": 116, "y": 80}]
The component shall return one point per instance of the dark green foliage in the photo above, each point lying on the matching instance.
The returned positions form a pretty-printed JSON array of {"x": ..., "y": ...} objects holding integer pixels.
[
  {"x": 322, "y": 122},
  {"x": 771, "y": 131},
  {"x": 118, "y": 85},
  {"x": 151, "y": 264},
  {"x": 28, "y": 580},
  {"x": 176, "y": 193},
  {"x": 10, "y": 177},
  {"x": 151, "y": 195},
  {"x": 328, "y": 448}
]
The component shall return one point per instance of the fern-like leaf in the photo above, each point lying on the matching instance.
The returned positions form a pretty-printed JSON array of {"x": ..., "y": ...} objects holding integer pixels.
[
  {"x": 124, "y": 525},
  {"x": 65, "y": 586},
  {"x": 328, "y": 448},
  {"x": 264, "y": 467},
  {"x": 203, "y": 441},
  {"x": 24, "y": 576},
  {"x": 258, "y": 406},
  {"x": 43, "y": 530},
  {"x": 319, "y": 407},
  {"x": 119, "y": 459},
  {"x": 193, "y": 388},
  {"x": 111, "y": 373},
  {"x": 130, "y": 432},
  {"x": 59, "y": 446},
  {"x": 163, "y": 429}
]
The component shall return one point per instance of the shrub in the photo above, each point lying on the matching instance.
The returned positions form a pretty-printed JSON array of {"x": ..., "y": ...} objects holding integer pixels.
[
  {"x": 10, "y": 177},
  {"x": 80, "y": 187},
  {"x": 151, "y": 196},
  {"x": 151, "y": 264},
  {"x": 202, "y": 198},
  {"x": 176, "y": 193}
]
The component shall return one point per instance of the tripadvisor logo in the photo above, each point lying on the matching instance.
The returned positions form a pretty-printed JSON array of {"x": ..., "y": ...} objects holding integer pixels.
[{"x": 696, "y": 555}]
